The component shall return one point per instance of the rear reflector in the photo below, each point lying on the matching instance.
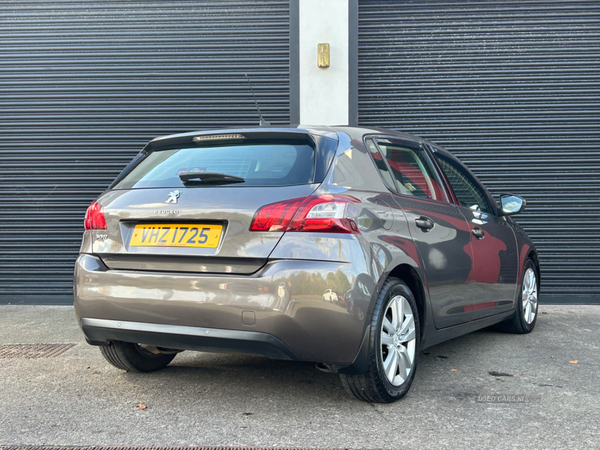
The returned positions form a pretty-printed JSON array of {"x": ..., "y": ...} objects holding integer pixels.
[
  {"x": 322, "y": 213},
  {"x": 94, "y": 217}
]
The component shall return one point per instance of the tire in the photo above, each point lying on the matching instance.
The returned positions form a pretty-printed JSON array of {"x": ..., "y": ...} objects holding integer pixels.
[
  {"x": 134, "y": 358},
  {"x": 389, "y": 339},
  {"x": 524, "y": 319}
]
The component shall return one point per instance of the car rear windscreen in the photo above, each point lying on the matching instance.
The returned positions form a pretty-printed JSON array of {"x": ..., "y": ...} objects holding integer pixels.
[{"x": 257, "y": 164}]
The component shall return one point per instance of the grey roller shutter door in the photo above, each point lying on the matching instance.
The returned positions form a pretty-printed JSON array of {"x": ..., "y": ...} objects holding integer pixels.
[
  {"x": 511, "y": 88},
  {"x": 84, "y": 85}
]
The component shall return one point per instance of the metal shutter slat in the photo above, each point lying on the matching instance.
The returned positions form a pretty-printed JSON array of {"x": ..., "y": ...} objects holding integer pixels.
[
  {"x": 84, "y": 85},
  {"x": 513, "y": 89}
]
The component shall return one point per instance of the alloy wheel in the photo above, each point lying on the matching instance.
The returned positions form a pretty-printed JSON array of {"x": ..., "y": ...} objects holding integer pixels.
[
  {"x": 529, "y": 295},
  {"x": 398, "y": 340}
]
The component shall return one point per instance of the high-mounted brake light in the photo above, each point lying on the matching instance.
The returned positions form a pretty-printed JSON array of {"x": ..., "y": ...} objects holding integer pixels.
[
  {"x": 218, "y": 137},
  {"x": 322, "y": 213},
  {"x": 94, "y": 217}
]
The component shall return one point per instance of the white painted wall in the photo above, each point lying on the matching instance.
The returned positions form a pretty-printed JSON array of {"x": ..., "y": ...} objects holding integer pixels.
[{"x": 324, "y": 92}]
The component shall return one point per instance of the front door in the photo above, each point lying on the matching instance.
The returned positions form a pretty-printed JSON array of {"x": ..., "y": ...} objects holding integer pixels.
[{"x": 494, "y": 278}]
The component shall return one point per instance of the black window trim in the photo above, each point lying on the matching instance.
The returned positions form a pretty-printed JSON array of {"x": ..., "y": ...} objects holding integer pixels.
[
  {"x": 385, "y": 183},
  {"x": 492, "y": 204},
  {"x": 415, "y": 144},
  {"x": 450, "y": 192}
]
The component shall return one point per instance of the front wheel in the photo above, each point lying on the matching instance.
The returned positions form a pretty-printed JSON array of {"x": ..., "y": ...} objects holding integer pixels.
[
  {"x": 393, "y": 347},
  {"x": 525, "y": 316},
  {"x": 134, "y": 357}
]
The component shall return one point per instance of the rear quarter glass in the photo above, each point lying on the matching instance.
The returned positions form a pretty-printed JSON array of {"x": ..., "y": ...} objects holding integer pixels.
[{"x": 269, "y": 164}]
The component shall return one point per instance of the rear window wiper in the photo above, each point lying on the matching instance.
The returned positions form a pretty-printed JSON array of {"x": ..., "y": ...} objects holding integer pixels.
[{"x": 208, "y": 177}]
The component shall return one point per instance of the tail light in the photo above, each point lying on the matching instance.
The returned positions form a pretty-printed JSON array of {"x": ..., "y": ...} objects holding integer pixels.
[
  {"x": 94, "y": 217},
  {"x": 276, "y": 216},
  {"x": 322, "y": 213}
]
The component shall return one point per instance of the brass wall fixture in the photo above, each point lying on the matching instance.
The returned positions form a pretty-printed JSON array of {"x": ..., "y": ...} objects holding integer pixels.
[{"x": 323, "y": 56}]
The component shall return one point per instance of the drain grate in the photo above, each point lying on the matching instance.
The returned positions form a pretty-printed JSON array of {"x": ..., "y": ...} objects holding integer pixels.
[{"x": 34, "y": 350}]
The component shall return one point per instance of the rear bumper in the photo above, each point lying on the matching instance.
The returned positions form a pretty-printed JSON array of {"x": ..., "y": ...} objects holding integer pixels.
[{"x": 279, "y": 312}]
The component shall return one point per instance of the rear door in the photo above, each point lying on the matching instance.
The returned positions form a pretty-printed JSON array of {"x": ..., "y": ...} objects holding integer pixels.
[{"x": 439, "y": 230}]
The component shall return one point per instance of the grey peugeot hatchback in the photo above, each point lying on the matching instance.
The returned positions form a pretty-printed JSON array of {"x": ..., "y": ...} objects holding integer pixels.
[{"x": 352, "y": 248}]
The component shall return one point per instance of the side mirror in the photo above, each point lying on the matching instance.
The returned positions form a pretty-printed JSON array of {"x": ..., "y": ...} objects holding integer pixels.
[{"x": 512, "y": 204}]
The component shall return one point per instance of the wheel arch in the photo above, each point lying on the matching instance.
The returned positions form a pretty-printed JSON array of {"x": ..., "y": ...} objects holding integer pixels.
[
  {"x": 533, "y": 255},
  {"x": 409, "y": 275}
]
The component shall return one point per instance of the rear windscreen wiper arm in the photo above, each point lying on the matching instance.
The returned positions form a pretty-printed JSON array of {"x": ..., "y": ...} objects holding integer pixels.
[{"x": 209, "y": 177}]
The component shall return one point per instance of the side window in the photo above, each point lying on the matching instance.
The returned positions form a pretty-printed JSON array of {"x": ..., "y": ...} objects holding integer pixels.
[
  {"x": 381, "y": 165},
  {"x": 412, "y": 170},
  {"x": 466, "y": 190}
]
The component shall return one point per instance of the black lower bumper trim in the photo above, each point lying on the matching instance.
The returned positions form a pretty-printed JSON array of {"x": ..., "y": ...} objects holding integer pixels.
[{"x": 102, "y": 331}]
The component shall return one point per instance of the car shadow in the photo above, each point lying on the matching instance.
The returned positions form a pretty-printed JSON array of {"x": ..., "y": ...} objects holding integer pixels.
[
  {"x": 250, "y": 376},
  {"x": 247, "y": 376}
]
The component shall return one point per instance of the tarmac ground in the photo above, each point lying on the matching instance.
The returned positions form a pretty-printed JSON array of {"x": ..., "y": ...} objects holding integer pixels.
[{"x": 484, "y": 390}]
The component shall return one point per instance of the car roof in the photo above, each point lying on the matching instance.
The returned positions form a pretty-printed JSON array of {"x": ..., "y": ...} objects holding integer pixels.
[{"x": 365, "y": 131}]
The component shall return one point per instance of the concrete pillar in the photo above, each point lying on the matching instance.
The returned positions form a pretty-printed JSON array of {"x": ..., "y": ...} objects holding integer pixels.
[{"x": 323, "y": 95}]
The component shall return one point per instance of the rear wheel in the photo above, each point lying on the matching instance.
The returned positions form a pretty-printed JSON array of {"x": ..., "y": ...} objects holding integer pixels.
[
  {"x": 523, "y": 321},
  {"x": 393, "y": 347},
  {"x": 134, "y": 357}
]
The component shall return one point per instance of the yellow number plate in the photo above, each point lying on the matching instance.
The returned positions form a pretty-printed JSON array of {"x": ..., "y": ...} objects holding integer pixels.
[{"x": 162, "y": 235}]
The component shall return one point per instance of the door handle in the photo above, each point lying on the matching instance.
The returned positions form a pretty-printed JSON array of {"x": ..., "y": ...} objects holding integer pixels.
[
  {"x": 424, "y": 223},
  {"x": 478, "y": 233}
]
